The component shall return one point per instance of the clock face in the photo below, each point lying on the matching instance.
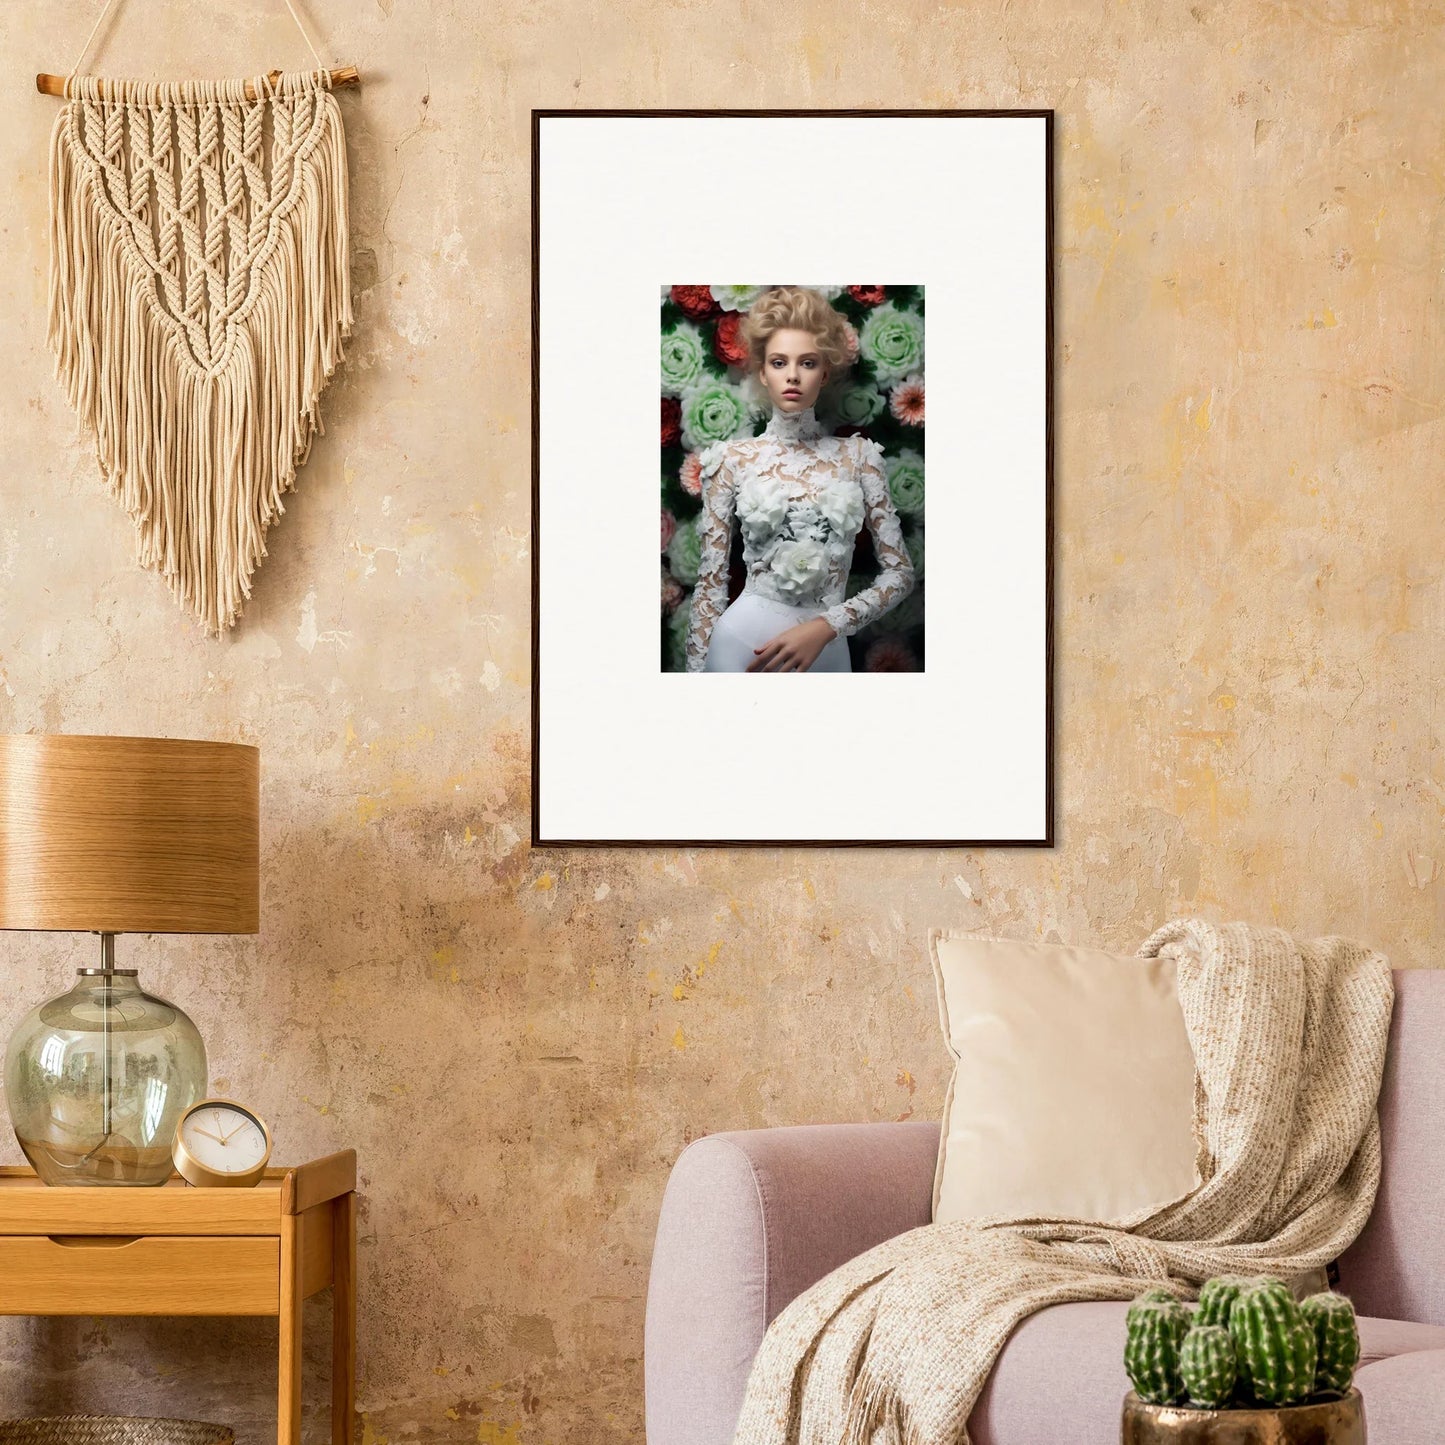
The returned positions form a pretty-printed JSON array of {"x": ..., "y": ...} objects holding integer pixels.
[{"x": 224, "y": 1138}]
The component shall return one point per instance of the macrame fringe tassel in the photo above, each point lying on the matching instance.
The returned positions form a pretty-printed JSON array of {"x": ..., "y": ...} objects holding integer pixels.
[{"x": 200, "y": 459}]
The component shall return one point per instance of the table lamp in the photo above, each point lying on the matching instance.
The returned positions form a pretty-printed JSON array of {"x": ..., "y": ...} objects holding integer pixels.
[{"x": 116, "y": 835}]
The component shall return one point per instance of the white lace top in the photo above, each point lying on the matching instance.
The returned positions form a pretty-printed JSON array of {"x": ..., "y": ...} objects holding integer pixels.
[{"x": 800, "y": 497}]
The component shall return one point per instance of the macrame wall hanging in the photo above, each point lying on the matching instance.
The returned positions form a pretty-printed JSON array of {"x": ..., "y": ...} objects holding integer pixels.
[{"x": 199, "y": 296}]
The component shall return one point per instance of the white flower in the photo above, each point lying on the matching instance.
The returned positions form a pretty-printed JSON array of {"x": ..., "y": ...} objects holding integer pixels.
[
  {"x": 762, "y": 507},
  {"x": 806, "y": 520},
  {"x": 841, "y": 502},
  {"x": 736, "y": 298},
  {"x": 797, "y": 567},
  {"x": 709, "y": 459},
  {"x": 828, "y": 293}
]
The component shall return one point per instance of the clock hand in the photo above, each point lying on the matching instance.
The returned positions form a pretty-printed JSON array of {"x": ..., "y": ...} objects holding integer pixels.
[{"x": 208, "y": 1134}]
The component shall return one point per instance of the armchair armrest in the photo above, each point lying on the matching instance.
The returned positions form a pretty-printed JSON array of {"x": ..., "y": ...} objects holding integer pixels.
[{"x": 749, "y": 1220}]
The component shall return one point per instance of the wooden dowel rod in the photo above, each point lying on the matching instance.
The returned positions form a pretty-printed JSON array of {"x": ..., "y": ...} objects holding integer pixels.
[{"x": 347, "y": 75}]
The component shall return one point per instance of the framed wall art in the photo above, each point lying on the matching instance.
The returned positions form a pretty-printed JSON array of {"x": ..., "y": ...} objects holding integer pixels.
[{"x": 845, "y": 636}]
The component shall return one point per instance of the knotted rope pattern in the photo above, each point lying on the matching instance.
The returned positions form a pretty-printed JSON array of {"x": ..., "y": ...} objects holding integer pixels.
[{"x": 199, "y": 296}]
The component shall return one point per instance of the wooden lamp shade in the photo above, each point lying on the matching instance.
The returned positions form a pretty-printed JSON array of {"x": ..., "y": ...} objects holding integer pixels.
[{"x": 129, "y": 835}]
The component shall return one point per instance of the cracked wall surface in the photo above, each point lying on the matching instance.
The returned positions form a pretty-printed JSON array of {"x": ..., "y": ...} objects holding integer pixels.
[{"x": 1249, "y": 368}]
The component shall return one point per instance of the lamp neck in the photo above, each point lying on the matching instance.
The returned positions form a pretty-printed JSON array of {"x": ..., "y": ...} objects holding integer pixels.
[{"x": 107, "y": 955}]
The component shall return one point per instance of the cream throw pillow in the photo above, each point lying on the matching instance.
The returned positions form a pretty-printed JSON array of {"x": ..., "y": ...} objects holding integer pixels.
[{"x": 1073, "y": 1088}]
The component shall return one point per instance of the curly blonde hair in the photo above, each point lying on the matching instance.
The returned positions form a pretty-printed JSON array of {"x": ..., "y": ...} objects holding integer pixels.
[{"x": 797, "y": 308}]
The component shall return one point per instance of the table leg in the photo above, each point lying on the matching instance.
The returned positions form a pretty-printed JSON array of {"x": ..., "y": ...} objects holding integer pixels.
[
  {"x": 343, "y": 1319},
  {"x": 288, "y": 1368}
]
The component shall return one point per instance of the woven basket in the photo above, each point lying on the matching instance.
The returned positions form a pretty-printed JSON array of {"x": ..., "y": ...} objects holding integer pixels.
[{"x": 112, "y": 1430}]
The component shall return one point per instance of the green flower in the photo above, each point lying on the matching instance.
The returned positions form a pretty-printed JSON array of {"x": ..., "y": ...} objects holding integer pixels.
[
  {"x": 858, "y": 404},
  {"x": 913, "y": 543},
  {"x": 677, "y": 634},
  {"x": 714, "y": 411},
  {"x": 684, "y": 552},
  {"x": 906, "y": 615},
  {"x": 683, "y": 358},
  {"x": 905, "y": 482},
  {"x": 893, "y": 341}
]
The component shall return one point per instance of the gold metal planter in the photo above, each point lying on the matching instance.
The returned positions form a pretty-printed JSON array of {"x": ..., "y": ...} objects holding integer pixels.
[{"x": 1330, "y": 1422}]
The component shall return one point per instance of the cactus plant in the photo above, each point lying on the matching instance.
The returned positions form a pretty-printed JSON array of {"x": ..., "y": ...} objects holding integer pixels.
[
  {"x": 1217, "y": 1297},
  {"x": 1274, "y": 1344},
  {"x": 1337, "y": 1339},
  {"x": 1207, "y": 1365},
  {"x": 1155, "y": 1296},
  {"x": 1156, "y": 1330},
  {"x": 1249, "y": 1343}
]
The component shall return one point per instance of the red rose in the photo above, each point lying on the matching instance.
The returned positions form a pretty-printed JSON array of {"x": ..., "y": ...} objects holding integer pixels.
[
  {"x": 671, "y": 420},
  {"x": 866, "y": 295},
  {"x": 694, "y": 301},
  {"x": 727, "y": 344}
]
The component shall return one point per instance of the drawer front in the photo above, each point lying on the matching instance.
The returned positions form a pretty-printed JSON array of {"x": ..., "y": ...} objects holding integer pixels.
[{"x": 151, "y": 1275}]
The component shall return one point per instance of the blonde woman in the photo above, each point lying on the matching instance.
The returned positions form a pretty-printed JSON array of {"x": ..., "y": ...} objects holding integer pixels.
[{"x": 800, "y": 498}]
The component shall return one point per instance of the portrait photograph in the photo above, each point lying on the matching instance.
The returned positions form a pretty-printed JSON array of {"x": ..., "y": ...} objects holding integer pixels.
[
  {"x": 800, "y": 472},
  {"x": 792, "y": 478}
]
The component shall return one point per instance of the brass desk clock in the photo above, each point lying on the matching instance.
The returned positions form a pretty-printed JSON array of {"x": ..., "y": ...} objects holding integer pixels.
[{"x": 221, "y": 1144}]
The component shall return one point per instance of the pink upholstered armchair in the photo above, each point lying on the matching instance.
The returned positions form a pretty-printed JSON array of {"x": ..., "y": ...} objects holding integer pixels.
[{"x": 751, "y": 1219}]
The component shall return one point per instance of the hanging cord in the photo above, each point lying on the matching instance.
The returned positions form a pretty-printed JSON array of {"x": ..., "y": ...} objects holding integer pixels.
[
  {"x": 105, "y": 10},
  {"x": 85, "y": 49}
]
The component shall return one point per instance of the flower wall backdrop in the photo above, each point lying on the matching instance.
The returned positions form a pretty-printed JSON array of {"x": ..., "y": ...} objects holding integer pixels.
[{"x": 707, "y": 396}]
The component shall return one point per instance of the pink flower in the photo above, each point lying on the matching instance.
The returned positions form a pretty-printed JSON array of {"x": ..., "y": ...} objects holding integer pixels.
[
  {"x": 691, "y": 476},
  {"x": 852, "y": 341},
  {"x": 906, "y": 402},
  {"x": 672, "y": 592},
  {"x": 890, "y": 654},
  {"x": 669, "y": 526}
]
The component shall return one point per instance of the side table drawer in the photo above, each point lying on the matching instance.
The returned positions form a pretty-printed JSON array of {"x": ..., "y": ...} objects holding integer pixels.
[{"x": 149, "y": 1275}]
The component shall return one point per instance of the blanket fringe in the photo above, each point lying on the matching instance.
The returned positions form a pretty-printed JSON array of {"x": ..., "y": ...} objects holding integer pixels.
[{"x": 877, "y": 1415}]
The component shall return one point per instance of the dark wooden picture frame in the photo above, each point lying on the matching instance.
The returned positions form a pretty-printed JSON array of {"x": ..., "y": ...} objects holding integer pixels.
[{"x": 1046, "y": 837}]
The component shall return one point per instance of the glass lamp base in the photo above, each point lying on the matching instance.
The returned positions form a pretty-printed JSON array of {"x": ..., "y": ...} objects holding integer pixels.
[
  {"x": 118, "y": 1162},
  {"x": 98, "y": 1078}
]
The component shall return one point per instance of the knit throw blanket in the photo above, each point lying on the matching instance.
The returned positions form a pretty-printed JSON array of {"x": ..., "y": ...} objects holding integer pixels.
[{"x": 894, "y": 1347}]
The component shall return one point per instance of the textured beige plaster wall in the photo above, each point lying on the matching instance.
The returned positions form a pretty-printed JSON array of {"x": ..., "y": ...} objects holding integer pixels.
[{"x": 1249, "y": 634}]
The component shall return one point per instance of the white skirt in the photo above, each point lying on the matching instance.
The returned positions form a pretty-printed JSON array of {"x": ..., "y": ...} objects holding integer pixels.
[{"x": 750, "y": 621}]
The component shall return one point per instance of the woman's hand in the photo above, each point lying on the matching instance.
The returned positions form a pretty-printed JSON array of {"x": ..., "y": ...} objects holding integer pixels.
[{"x": 795, "y": 650}]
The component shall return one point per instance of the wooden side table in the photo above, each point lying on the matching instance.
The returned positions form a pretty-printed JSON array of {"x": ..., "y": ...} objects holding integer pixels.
[{"x": 175, "y": 1250}]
